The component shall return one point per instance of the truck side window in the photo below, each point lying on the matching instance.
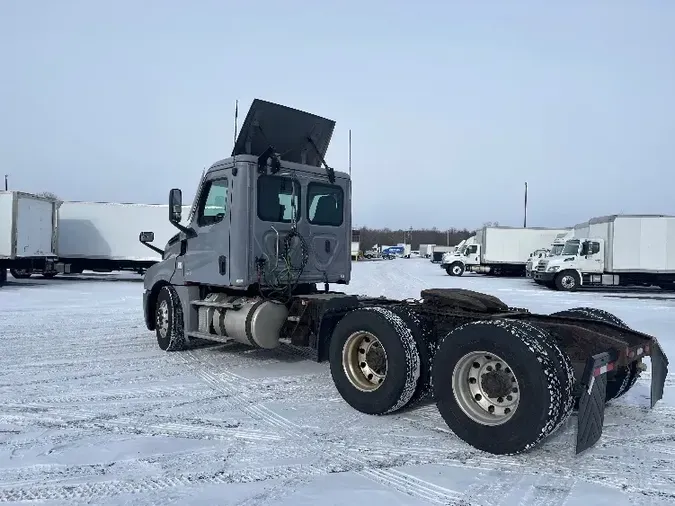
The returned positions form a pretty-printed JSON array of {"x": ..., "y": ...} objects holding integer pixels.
[
  {"x": 277, "y": 196},
  {"x": 472, "y": 249},
  {"x": 594, "y": 248},
  {"x": 213, "y": 208},
  {"x": 325, "y": 203}
]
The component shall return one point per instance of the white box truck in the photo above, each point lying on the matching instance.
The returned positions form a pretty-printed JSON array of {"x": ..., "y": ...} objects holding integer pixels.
[
  {"x": 27, "y": 232},
  {"x": 617, "y": 250},
  {"x": 501, "y": 251}
]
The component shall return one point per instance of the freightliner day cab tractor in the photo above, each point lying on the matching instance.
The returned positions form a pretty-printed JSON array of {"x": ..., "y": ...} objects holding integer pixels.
[{"x": 270, "y": 232}]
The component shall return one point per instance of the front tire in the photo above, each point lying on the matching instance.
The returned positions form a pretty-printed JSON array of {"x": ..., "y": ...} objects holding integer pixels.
[
  {"x": 498, "y": 387},
  {"x": 455, "y": 269},
  {"x": 374, "y": 360},
  {"x": 169, "y": 320},
  {"x": 567, "y": 281}
]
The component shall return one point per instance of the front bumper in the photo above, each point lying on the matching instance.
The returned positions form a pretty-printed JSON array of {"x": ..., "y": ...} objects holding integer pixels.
[{"x": 544, "y": 277}]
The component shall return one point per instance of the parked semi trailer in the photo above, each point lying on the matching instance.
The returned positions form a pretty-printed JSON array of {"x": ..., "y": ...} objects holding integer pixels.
[
  {"x": 426, "y": 250},
  {"x": 439, "y": 251},
  {"x": 502, "y": 378},
  {"x": 101, "y": 237},
  {"x": 501, "y": 251},
  {"x": 27, "y": 232},
  {"x": 617, "y": 250}
]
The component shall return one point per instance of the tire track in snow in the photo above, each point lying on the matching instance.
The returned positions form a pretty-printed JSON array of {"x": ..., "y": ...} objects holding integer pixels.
[
  {"x": 113, "y": 488},
  {"x": 399, "y": 481}
]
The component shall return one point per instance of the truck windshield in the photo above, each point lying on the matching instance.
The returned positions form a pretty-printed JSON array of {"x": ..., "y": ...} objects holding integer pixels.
[
  {"x": 571, "y": 248},
  {"x": 277, "y": 196},
  {"x": 556, "y": 250}
]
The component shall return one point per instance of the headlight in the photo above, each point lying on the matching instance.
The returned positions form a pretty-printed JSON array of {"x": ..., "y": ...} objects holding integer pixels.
[{"x": 553, "y": 268}]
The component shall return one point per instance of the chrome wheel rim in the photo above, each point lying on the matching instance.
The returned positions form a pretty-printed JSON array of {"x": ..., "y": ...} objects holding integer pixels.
[
  {"x": 485, "y": 388},
  {"x": 364, "y": 361}
]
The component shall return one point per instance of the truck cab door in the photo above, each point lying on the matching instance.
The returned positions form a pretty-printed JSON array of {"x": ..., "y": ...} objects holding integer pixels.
[
  {"x": 472, "y": 255},
  {"x": 591, "y": 257},
  {"x": 207, "y": 255}
]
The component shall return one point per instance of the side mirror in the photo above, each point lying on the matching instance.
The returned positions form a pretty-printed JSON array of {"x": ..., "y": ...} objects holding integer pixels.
[
  {"x": 146, "y": 237},
  {"x": 175, "y": 205}
]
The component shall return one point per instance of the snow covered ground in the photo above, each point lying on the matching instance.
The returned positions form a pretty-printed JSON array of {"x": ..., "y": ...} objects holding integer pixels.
[{"x": 91, "y": 411}]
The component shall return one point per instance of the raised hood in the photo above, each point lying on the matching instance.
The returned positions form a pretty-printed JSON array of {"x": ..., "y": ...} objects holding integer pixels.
[{"x": 287, "y": 131}]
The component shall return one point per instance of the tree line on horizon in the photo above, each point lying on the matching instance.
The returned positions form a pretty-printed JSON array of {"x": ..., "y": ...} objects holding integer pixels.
[{"x": 369, "y": 237}]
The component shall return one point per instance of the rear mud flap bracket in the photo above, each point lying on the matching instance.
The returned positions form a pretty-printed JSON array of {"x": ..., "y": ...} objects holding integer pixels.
[
  {"x": 659, "y": 373},
  {"x": 591, "y": 415}
]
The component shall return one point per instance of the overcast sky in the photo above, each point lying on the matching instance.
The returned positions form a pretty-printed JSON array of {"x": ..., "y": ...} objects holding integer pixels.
[{"x": 452, "y": 105}]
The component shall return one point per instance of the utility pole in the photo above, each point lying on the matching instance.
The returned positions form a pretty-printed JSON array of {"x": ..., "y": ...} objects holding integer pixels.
[
  {"x": 6, "y": 183},
  {"x": 525, "y": 216}
]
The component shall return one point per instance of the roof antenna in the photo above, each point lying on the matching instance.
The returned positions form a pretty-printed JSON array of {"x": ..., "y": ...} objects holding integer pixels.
[
  {"x": 350, "y": 152},
  {"x": 236, "y": 115}
]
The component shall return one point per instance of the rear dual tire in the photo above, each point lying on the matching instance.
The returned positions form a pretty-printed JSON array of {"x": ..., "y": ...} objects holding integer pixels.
[
  {"x": 374, "y": 360},
  {"x": 502, "y": 386},
  {"x": 623, "y": 379}
]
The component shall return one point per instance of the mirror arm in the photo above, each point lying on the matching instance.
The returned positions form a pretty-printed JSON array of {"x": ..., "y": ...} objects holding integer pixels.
[
  {"x": 189, "y": 232},
  {"x": 153, "y": 248}
]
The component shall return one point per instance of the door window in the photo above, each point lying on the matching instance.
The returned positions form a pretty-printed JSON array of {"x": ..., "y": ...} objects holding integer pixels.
[
  {"x": 325, "y": 203},
  {"x": 214, "y": 207}
]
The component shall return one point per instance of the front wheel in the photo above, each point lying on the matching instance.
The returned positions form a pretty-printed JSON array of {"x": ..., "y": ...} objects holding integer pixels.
[
  {"x": 567, "y": 281},
  {"x": 499, "y": 386},
  {"x": 169, "y": 320},
  {"x": 455, "y": 269}
]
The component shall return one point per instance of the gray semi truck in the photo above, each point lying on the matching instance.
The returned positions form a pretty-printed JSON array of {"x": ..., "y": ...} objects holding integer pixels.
[{"x": 269, "y": 235}]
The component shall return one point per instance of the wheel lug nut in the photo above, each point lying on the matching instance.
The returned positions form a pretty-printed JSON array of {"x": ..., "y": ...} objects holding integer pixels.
[
  {"x": 514, "y": 390},
  {"x": 491, "y": 409},
  {"x": 478, "y": 397},
  {"x": 500, "y": 399},
  {"x": 472, "y": 381},
  {"x": 489, "y": 368},
  {"x": 507, "y": 411},
  {"x": 476, "y": 365},
  {"x": 509, "y": 397},
  {"x": 498, "y": 366}
]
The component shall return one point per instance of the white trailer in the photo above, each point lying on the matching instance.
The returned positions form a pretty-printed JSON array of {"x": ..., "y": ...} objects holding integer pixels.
[
  {"x": 617, "y": 250},
  {"x": 27, "y": 232},
  {"x": 426, "y": 250},
  {"x": 439, "y": 251},
  {"x": 103, "y": 236},
  {"x": 356, "y": 244},
  {"x": 501, "y": 251}
]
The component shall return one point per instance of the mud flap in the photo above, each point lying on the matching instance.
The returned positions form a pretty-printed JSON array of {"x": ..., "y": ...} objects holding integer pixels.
[
  {"x": 659, "y": 373},
  {"x": 591, "y": 415}
]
